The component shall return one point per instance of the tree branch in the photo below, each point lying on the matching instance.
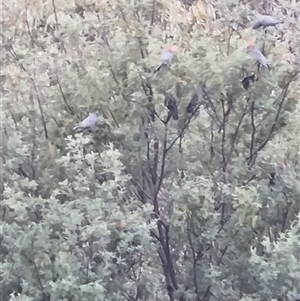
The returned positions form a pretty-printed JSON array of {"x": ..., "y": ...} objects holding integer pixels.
[
  {"x": 272, "y": 129},
  {"x": 235, "y": 136},
  {"x": 253, "y": 132},
  {"x": 15, "y": 56},
  {"x": 63, "y": 94},
  {"x": 55, "y": 13}
]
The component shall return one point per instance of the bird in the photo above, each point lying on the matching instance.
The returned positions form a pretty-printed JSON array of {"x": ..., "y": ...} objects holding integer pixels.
[
  {"x": 297, "y": 298},
  {"x": 246, "y": 81},
  {"x": 265, "y": 21},
  {"x": 166, "y": 58},
  {"x": 88, "y": 122},
  {"x": 200, "y": 92},
  {"x": 257, "y": 55},
  {"x": 171, "y": 104}
]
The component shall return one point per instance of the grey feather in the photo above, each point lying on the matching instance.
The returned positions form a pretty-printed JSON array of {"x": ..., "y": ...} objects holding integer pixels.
[
  {"x": 88, "y": 122},
  {"x": 265, "y": 21},
  {"x": 166, "y": 59},
  {"x": 200, "y": 92},
  {"x": 171, "y": 104},
  {"x": 297, "y": 298},
  {"x": 258, "y": 56}
]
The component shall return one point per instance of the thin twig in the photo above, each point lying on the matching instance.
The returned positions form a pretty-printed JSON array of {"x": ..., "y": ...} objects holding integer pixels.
[
  {"x": 63, "y": 95},
  {"x": 253, "y": 131},
  {"x": 235, "y": 136},
  {"x": 55, "y": 13},
  {"x": 15, "y": 56},
  {"x": 272, "y": 129},
  {"x": 152, "y": 16}
]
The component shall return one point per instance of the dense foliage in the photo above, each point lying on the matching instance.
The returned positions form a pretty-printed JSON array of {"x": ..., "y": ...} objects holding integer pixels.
[{"x": 145, "y": 207}]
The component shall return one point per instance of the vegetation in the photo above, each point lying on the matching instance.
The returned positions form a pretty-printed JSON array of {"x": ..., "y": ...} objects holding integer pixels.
[{"x": 145, "y": 207}]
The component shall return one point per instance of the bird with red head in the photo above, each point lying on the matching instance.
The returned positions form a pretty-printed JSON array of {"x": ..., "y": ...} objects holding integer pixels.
[
  {"x": 257, "y": 55},
  {"x": 166, "y": 58}
]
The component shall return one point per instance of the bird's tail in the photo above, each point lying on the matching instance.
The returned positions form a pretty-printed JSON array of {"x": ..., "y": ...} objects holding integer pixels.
[
  {"x": 189, "y": 108},
  {"x": 77, "y": 128},
  {"x": 175, "y": 114},
  {"x": 256, "y": 26},
  {"x": 158, "y": 67}
]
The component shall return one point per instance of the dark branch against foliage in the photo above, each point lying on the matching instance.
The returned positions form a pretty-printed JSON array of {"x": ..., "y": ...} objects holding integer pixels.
[{"x": 38, "y": 92}]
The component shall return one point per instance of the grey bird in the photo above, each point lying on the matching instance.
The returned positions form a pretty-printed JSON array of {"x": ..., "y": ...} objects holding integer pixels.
[
  {"x": 248, "y": 80},
  {"x": 166, "y": 58},
  {"x": 171, "y": 104},
  {"x": 265, "y": 20},
  {"x": 257, "y": 55},
  {"x": 200, "y": 92},
  {"x": 297, "y": 298},
  {"x": 88, "y": 122}
]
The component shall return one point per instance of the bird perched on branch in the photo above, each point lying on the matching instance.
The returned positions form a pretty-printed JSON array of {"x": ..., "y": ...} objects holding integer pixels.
[
  {"x": 265, "y": 20},
  {"x": 200, "y": 92},
  {"x": 248, "y": 80},
  {"x": 88, "y": 122},
  {"x": 257, "y": 55},
  {"x": 166, "y": 58},
  {"x": 171, "y": 104}
]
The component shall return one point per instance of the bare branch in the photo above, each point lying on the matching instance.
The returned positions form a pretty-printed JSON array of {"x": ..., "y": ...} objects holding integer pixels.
[
  {"x": 15, "y": 56},
  {"x": 55, "y": 13},
  {"x": 194, "y": 265},
  {"x": 152, "y": 16},
  {"x": 235, "y": 136},
  {"x": 253, "y": 131},
  {"x": 185, "y": 127},
  {"x": 63, "y": 94},
  {"x": 155, "y": 163},
  {"x": 272, "y": 129}
]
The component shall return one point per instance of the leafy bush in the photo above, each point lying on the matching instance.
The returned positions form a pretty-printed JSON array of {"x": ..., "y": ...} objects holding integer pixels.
[{"x": 145, "y": 207}]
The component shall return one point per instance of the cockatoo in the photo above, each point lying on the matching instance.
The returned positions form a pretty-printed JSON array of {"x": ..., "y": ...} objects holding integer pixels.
[
  {"x": 166, "y": 58},
  {"x": 265, "y": 21},
  {"x": 257, "y": 55},
  {"x": 88, "y": 122}
]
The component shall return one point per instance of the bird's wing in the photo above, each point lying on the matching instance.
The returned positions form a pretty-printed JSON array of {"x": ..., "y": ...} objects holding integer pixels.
[
  {"x": 89, "y": 121},
  {"x": 261, "y": 57},
  {"x": 167, "y": 57},
  {"x": 256, "y": 25},
  {"x": 269, "y": 20}
]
